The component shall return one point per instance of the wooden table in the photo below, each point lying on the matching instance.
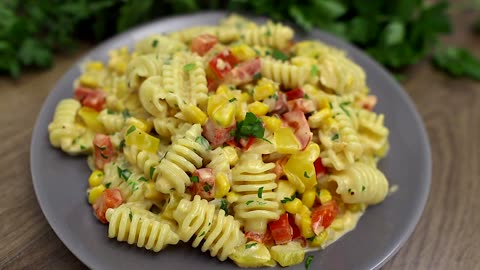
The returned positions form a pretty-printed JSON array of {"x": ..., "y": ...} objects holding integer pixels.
[{"x": 447, "y": 237}]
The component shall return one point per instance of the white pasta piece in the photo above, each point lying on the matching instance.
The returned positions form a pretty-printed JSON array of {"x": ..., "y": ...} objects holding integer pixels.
[
  {"x": 288, "y": 75},
  {"x": 111, "y": 121},
  {"x": 220, "y": 233},
  {"x": 138, "y": 226},
  {"x": 168, "y": 126},
  {"x": 143, "y": 160},
  {"x": 361, "y": 183},
  {"x": 159, "y": 44},
  {"x": 372, "y": 132},
  {"x": 271, "y": 34},
  {"x": 130, "y": 182},
  {"x": 257, "y": 204},
  {"x": 143, "y": 67}
]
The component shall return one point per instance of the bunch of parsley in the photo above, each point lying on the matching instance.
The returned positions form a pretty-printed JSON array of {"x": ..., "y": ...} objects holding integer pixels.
[{"x": 397, "y": 33}]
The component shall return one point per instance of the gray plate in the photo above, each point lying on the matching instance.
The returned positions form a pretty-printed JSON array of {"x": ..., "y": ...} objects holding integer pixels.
[{"x": 60, "y": 181}]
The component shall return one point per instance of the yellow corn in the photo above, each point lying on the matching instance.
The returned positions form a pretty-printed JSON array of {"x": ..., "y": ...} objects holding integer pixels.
[
  {"x": 320, "y": 117},
  {"x": 338, "y": 224},
  {"x": 293, "y": 207},
  {"x": 96, "y": 178},
  {"x": 89, "y": 80},
  {"x": 153, "y": 194},
  {"x": 300, "y": 170},
  {"x": 89, "y": 117},
  {"x": 231, "y": 154},
  {"x": 232, "y": 197},
  {"x": 308, "y": 198},
  {"x": 324, "y": 195},
  {"x": 141, "y": 139},
  {"x": 215, "y": 102},
  {"x": 258, "y": 108},
  {"x": 286, "y": 141},
  {"x": 94, "y": 193},
  {"x": 264, "y": 89},
  {"x": 242, "y": 52},
  {"x": 244, "y": 97},
  {"x": 140, "y": 124},
  {"x": 225, "y": 114},
  {"x": 222, "y": 185},
  {"x": 223, "y": 90},
  {"x": 304, "y": 211},
  {"x": 306, "y": 226},
  {"x": 94, "y": 66},
  {"x": 271, "y": 123},
  {"x": 319, "y": 239},
  {"x": 194, "y": 115}
]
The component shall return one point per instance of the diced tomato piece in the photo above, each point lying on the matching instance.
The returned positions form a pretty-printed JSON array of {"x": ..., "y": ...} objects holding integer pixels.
[
  {"x": 319, "y": 168},
  {"x": 281, "y": 230},
  {"x": 217, "y": 135},
  {"x": 103, "y": 150},
  {"x": 244, "y": 72},
  {"x": 323, "y": 216},
  {"x": 304, "y": 105},
  {"x": 92, "y": 98},
  {"x": 246, "y": 143},
  {"x": 296, "y": 120},
  {"x": 295, "y": 93},
  {"x": 368, "y": 102},
  {"x": 265, "y": 238},
  {"x": 223, "y": 63},
  {"x": 204, "y": 183},
  {"x": 203, "y": 43},
  {"x": 281, "y": 105},
  {"x": 110, "y": 198}
]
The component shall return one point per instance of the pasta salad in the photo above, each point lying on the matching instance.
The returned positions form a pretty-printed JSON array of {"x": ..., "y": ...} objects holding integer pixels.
[{"x": 234, "y": 137}]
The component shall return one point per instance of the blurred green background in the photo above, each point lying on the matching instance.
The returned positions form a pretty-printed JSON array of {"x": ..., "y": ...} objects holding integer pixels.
[{"x": 396, "y": 33}]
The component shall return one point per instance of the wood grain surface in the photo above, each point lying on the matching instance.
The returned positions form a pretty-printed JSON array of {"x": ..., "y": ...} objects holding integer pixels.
[{"x": 447, "y": 236}]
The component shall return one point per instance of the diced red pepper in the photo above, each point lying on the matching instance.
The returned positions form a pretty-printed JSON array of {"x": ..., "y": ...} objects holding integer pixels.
[
  {"x": 92, "y": 98},
  {"x": 295, "y": 93},
  {"x": 323, "y": 216},
  {"x": 203, "y": 183},
  {"x": 217, "y": 135},
  {"x": 246, "y": 143},
  {"x": 203, "y": 43},
  {"x": 103, "y": 150},
  {"x": 319, "y": 168},
  {"x": 245, "y": 72},
  {"x": 368, "y": 102},
  {"x": 296, "y": 234},
  {"x": 223, "y": 63},
  {"x": 296, "y": 120},
  {"x": 281, "y": 230},
  {"x": 110, "y": 198}
]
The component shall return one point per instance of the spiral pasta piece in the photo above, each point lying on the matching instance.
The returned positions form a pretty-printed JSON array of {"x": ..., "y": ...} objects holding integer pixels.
[
  {"x": 143, "y": 160},
  {"x": 184, "y": 155},
  {"x": 143, "y": 67},
  {"x": 113, "y": 122},
  {"x": 128, "y": 181},
  {"x": 272, "y": 34},
  {"x": 361, "y": 183},
  {"x": 372, "y": 132},
  {"x": 254, "y": 183},
  {"x": 286, "y": 74},
  {"x": 221, "y": 234},
  {"x": 168, "y": 126},
  {"x": 138, "y": 226},
  {"x": 159, "y": 44}
]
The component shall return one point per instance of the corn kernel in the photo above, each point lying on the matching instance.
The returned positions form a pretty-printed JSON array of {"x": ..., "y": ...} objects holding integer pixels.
[
  {"x": 222, "y": 185},
  {"x": 308, "y": 198},
  {"x": 293, "y": 207},
  {"x": 258, "y": 108},
  {"x": 306, "y": 227},
  {"x": 94, "y": 66},
  {"x": 319, "y": 239},
  {"x": 140, "y": 124},
  {"x": 271, "y": 123},
  {"x": 96, "y": 178},
  {"x": 89, "y": 80},
  {"x": 263, "y": 91},
  {"x": 338, "y": 224},
  {"x": 152, "y": 193},
  {"x": 232, "y": 197},
  {"x": 223, "y": 90},
  {"x": 231, "y": 154},
  {"x": 319, "y": 117},
  {"x": 304, "y": 211},
  {"x": 214, "y": 103},
  {"x": 94, "y": 193},
  {"x": 244, "y": 97},
  {"x": 89, "y": 117},
  {"x": 324, "y": 195},
  {"x": 225, "y": 114},
  {"x": 141, "y": 139},
  {"x": 242, "y": 52},
  {"x": 194, "y": 115}
]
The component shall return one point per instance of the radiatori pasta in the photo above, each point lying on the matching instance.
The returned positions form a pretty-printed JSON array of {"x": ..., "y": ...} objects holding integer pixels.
[{"x": 252, "y": 146}]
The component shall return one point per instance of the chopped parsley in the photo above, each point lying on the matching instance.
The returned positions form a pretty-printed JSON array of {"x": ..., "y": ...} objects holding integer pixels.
[
  {"x": 305, "y": 174},
  {"x": 224, "y": 206},
  {"x": 306, "y": 96},
  {"x": 201, "y": 140},
  {"x": 342, "y": 106},
  {"x": 207, "y": 187},
  {"x": 268, "y": 32},
  {"x": 274, "y": 96},
  {"x": 142, "y": 179},
  {"x": 189, "y": 67},
  {"x": 130, "y": 214},
  {"x": 311, "y": 238},
  {"x": 257, "y": 76},
  {"x": 250, "y": 126},
  {"x": 335, "y": 136},
  {"x": 133, "y": 185},
  {"x": 131, "y": 129},
  {"x": 162, "y": 158},
  {"x": 154, "y": 43},
  {"x": 82, "y": 147},
  {"x": 124, "y": 173},
  {"x": 287, "y": 199},
  {"x": 261, "y": 203},
  {"x": 232, "y": 100},
  {"x": 202, "y": 234},
  {"x": 330, "y": 104},
  {"x": 260, "y": 192},
  {"x": 121, "y": 145},
  {"x": 247, "y": 246},
  {"x": 126, "y": 114},
  {"x": 152, "y": 171},
  {"x": 103, "y": 156},
  {"x": 107, "y": 185},
  {"x": 363, "y": 188},
  {"x": 314, "y": 70},
  {"x": 110, "y": 111},
  {"x": 308, "y": 261},
  {"x": 279, "y": 55},
  {"x": 194, "y": 179},
  {"x": 102, "y": 148},
  {"x": 249, "y": 202}
]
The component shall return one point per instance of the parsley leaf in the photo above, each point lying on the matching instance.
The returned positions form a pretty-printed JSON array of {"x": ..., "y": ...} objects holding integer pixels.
[
  {"x": 154, "y": 43},
  {"x": 201, "y": 140},
  {"x": 457, "y": 62},
  {"x": 249, "y": 202},
  {"x": 224, "y": 206},
  {"x": 279, "y": 55},
  {"x": 250, "y": 126},
  {"x": 194, "y": 179},
  {"x": 260, "y": 192},
  {"x": 314, "y": 71},
  {"x": 124, "y": 173},
  {"x": 287, "y": 199},
  {"x": 130, "y": 215},
  {"x": 131, "y": 129},
  {"x": 247, "y": 246},
  {"x": 308, "y": 261},
  {"x": 335, "y": 137},
  {"x": 207, "y": 187},
  {"x": 189, "y": 67}
]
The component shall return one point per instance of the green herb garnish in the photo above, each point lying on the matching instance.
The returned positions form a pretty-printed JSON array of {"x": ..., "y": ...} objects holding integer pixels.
[
  {"x": 124, "y": 173},
  {"x": 189, "y": 67},
  {"x": 363, "y": 188},
  {"x": 130, "y": 215},
  {"x": 314, "y": 70},
  {"x": 202, "y": 234},
  {"x": 152, "y": 171},
  {"x": 260, "y": 192},
  {"x": 308, "y": 261},
  {"x": 287, "y": 199},
  {"x": 257, "y": 76},
  {"x": 247, "y": 246},
  {"x": 224, "y": 206},
  {"x": 131, "y": 129},
  {"x": 204, "y": 142},
  {"x": 126, "y": 114},
  {"x": 194, "y": 179},
  {"x": 207, "y": 187},
  {"x": 143, "y": 179},
  {"x": 305, "y": 174},
  {"x": 335, "y": 137},
  {"x": 107, "y": 185},
  {"x": 342, "y": 106},
  {"x": 279, "y": 55},
  {"x": 250, "y": 126},
  {"x": 232, "y": 100},
  {"x": 249, "y": 202},
  {"x": 154, "y": 43}
]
